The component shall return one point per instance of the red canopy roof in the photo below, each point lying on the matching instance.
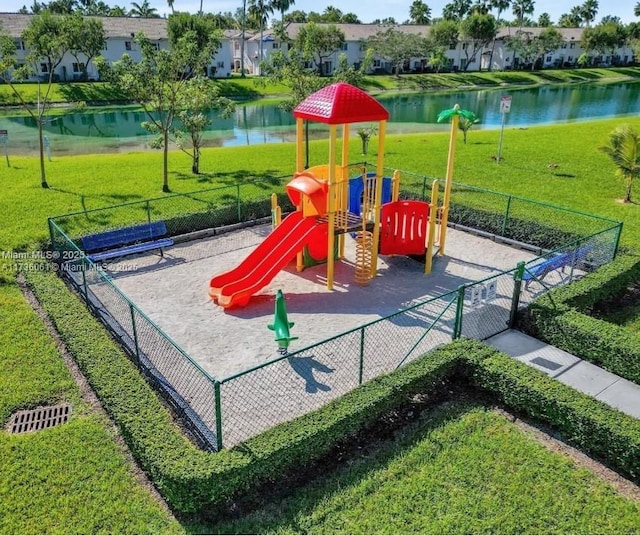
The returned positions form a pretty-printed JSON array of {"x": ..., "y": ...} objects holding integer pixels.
[{"x": 339, "y": 104}]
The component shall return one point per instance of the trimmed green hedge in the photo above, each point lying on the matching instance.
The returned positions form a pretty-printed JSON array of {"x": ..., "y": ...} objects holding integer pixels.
[
  {"x": 561, "y": 318},
  {"x": 592, "y": 425},
  {"x": 192, "y": 480}
]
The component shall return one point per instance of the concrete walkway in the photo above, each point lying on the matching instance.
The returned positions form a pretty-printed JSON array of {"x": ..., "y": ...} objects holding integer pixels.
[{"x": 571, "y": 370}]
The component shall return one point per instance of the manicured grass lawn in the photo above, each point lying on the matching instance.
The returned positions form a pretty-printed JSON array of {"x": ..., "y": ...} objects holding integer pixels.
[
  {"x": 581, "y": 178},
  {"x": 464, "y": 470}
]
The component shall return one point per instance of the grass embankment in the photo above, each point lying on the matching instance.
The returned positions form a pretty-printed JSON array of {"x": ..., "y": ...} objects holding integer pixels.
[
  {"x": 248, "y": 88},
  {"x": 581, "y": 178},
  {"x": 460, "y": 469}
]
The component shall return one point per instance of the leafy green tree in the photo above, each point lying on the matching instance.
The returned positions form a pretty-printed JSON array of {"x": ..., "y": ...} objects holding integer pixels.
[
  {"x": 86, "y": 37},
  {"x": 159, "y": 82},
  {"x": 444, "y": 33},
  {"x": 437, "y": 59},
  {"x": 296, "y": 16},
  {"x": 624, "y": 151},
  {"x": 398, "y": 47},
  {"x": 604, "y": 38},
  {"x": 530, "y": 48},
  {"x": 349, "y": 74},
  {"x": 636, "y": 9},
  {"x": 287, "y": 68},
  {"x": 47, "y": 39},
  {"x": 350, "y": 18},
  {"x": 118, "y": 11},
  {"x": 331, "y": 14},
  {"x": 198, "y": 98},
  {"x": 478, "y": 31},
  {"x": 318, "y": 42},
  {"x": 420, "y": 13}
]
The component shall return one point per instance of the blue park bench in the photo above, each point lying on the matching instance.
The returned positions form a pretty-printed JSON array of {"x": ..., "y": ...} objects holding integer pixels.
[
  {"x": 126, "y": 241},
  {"x": 557, "y": 262}
]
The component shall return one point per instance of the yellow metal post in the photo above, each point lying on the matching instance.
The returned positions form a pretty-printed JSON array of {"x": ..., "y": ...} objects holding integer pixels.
[
  {"x": 344, "y": 204},
  {"x": 276, "y": 211},
  {"x": 433, "y": 221},
  {"x": 447, "y": 185},
  {"x": 331, "y": 206},
  {"x": 395, "y": 185},
  {"x": 378, "y": 197}
]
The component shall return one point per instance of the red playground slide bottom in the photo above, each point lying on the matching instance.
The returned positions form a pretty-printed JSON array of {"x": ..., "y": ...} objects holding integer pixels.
[{"x": 235, "y": 287}]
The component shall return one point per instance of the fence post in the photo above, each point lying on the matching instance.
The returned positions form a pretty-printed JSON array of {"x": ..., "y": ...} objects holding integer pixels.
[
  {"x": 216, "y": 390},
  {"x": 148, "y": 212},
  {"x": 135, "y": 333},
  {"x": 424, "y": 187},
  {"x": 615, "y": 249},
  {"x": 515, "y": 299},
  {"x": 361, "y": 371},
  {"x": 84, "y": 279},
  {"x": 506, "y": 217},
  {"x": 457, "y": 327},
  {"x": 238, "y": 203}
]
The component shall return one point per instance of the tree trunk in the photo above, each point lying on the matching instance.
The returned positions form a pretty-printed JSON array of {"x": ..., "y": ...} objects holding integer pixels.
[
  {"x": 195, "y": 164},
  {"x": 165, "y": 162},
  {"x": 43, "y": 176},
  {"x": 627, "y": 196}
]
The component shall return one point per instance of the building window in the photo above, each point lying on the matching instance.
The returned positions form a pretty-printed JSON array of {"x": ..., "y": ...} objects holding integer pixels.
[
  {"x": 156, "y": 46},
  {"x": 275, "y": 45},
  {"x": 464, "y": 46},
  {"x": 44, "y": 68},
  {"x": 220, "y": 64},
  {"x": 78, "y": 67},
  {"x": 376, "y": 64},
  {"x": 19, "y": 44},
  {"x": 548, "y": 59},
  {"x": 236, "y": 45},
  {"x": 564, "y": 45},
  {"x": 572, "y": 45},
  {"x": 127, "y": 45},
  {"x": 362, "y": 47},
  {"x": 345, "y": 46},
  {"x": 569, "y": 59},
  {"x": 452, "y": 46}
]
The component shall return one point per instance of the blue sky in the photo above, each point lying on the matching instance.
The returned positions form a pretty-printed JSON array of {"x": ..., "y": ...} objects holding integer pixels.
[{"x": 368, "y": 10}]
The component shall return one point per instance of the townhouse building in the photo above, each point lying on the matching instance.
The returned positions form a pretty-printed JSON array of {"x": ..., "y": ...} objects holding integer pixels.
[{"x": 120, "y": 38}]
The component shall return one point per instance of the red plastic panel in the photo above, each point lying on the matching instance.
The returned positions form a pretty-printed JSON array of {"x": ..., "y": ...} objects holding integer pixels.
[
  {"x": 404, "y": 228},
  {"x": 340, "y": 104}
]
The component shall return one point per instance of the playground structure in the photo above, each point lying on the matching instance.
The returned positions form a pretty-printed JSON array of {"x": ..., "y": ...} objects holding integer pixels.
[{"x": 330, "y": 204}]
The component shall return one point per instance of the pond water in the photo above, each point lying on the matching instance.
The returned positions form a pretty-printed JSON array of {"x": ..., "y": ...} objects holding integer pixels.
[{"x": 121, "y": 131}]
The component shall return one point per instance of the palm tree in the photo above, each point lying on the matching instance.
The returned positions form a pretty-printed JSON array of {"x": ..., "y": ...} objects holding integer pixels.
[
  {"x": 521, "y": 8},
  {"x": 636, "y": 9},
  {"x": 144, "y": 10},
  {"x": 419, "y": 12},
  {"x": 500, "y": 6},
  {"x": 544, "y": 20},
  {"x": 456, "y": 10},
  {"x": 260, "y": 11},
  {"x": 624, "y": 151},
  {"x": 282, "y": 6},
  {"x": 588, "y": 10},
  {"x": 576, "y": 15},
  {"x": 170, "y": 4}
]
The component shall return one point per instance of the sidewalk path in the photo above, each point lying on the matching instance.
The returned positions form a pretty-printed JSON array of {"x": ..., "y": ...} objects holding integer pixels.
[{"x": 571, "y": 370}]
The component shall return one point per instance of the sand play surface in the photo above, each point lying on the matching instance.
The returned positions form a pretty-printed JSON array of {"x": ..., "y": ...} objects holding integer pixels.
[{"x": 172, "y": 291}]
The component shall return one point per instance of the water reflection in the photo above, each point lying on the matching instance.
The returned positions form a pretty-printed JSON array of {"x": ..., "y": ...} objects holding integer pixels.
[{"x": 95, "y": 131}]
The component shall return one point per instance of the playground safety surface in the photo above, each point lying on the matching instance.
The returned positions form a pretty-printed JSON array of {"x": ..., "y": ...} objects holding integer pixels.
[{"x": 172, "y": 291}]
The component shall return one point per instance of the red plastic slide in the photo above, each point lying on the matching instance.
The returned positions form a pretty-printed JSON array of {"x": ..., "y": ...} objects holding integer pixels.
[{"x": 235, "y": 287}]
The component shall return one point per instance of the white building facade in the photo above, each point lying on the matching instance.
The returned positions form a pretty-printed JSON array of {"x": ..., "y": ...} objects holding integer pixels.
[{"x": 120, "y": 39}]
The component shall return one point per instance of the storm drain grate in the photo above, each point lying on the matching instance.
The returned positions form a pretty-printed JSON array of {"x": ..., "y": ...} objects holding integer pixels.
[
  {"x": 546, "y": 363},
  {"x": 32, "y": 420}
]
